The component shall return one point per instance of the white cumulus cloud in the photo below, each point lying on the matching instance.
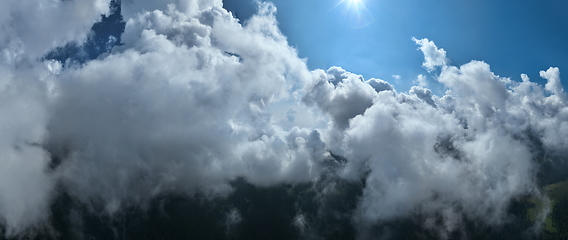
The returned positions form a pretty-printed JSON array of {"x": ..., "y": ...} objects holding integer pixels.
[{"x": 433, "y": 56}]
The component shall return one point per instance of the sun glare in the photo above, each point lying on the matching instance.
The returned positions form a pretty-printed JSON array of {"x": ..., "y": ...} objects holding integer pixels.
[
  {"x": 356, "y": 3},
  {"x": 358, "y": 13}
]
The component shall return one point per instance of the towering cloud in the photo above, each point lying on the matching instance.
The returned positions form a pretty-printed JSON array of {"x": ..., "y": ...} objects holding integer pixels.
[
  {"x": 181, "y": 106},
  {"x": 187, "y": 104}
]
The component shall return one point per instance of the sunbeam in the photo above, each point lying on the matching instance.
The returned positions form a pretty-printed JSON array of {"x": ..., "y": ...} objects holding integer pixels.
[{"x": 356, "y": 12}]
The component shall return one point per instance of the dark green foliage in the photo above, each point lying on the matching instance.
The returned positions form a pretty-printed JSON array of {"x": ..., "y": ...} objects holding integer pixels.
[
  {"x": 560, "y": 216},
  {"x": 269, "y": 213},
  {"x": 326, "y": 207},
  {"x": 413, "y": 227},
  {"x": 266, "y": 213}
]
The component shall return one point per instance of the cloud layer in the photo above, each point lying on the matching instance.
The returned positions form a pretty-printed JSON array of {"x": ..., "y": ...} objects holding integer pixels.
[{"x": 191, "y": 99}]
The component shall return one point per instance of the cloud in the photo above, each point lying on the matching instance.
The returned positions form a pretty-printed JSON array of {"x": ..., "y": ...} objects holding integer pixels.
[
  {"x": 487, "y": 93},
  {"x": 433, "y": 56},
  {"x": 340, "y": 94},
  {"x": 188, "y": 8},
  {"x": 423, "y": 93},
  {"x": 399, "y": 144},
  {"x": 554, "y": 86},
  {"x": 553, "y": 76},
  {"x": 32, "y": 29},
  {"x": 421, "y": 80},
  {"x": 380, "y": 85},
  {"x": 131, "y": 131},
  {"x": 25, "y": 184},
  {"x": 184, "y": 107},
  {"x": 291, "y": 114},
  {"x": 125, "y": 128}
]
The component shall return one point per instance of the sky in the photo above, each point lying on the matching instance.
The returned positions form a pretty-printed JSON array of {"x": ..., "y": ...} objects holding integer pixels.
[
  {"x": 513, "y": 37},
  {"x": 116, "y": 111}
]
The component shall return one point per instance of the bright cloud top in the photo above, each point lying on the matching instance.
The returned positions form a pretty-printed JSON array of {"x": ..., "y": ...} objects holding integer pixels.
[{"x": 185, "y": 105}]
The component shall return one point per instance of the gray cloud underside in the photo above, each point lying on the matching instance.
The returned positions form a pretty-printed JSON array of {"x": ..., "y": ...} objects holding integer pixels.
[{"x": 189, "y": 103}]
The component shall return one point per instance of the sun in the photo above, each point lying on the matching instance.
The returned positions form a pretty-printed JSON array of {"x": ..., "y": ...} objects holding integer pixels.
[
  {"x": 351, "y": 3},
  {"x": 356, "y": 2},
  {"x": 355, "y": 12}
]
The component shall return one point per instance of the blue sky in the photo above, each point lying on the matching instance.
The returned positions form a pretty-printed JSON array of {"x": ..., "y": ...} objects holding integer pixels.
[{"x": 513, "y": 37}]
